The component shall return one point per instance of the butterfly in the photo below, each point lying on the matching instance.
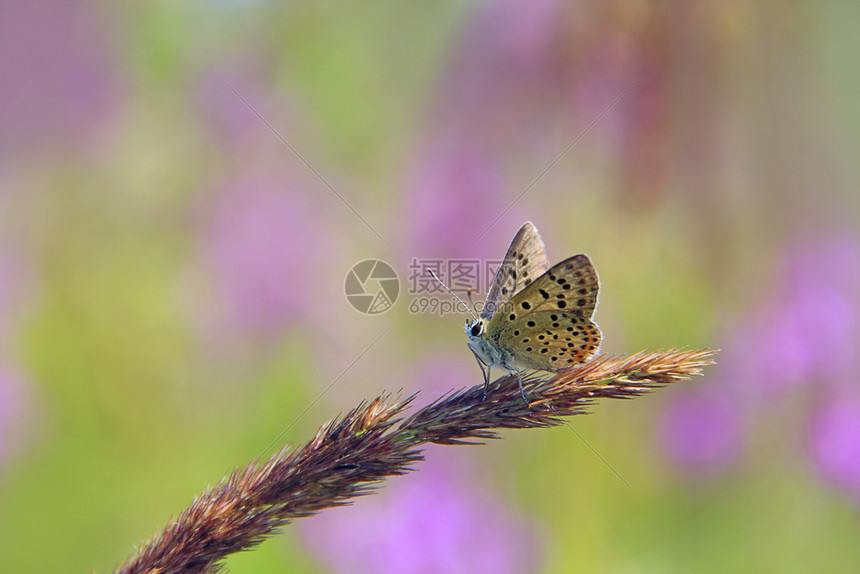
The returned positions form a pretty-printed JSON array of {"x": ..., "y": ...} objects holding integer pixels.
[{"x": 535, "y": 317}]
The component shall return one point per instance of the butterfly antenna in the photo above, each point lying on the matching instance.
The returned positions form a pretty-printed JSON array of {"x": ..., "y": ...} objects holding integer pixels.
[
  {"x": 448, "y": 289},
  {"x": 469, "y": 295}
]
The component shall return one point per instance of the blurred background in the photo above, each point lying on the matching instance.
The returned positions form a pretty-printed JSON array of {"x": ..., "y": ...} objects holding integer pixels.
[{"x": 184, "y": 187}]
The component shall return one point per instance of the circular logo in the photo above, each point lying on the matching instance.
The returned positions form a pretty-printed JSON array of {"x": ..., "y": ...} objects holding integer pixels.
[{"x": 372, "y": 286}]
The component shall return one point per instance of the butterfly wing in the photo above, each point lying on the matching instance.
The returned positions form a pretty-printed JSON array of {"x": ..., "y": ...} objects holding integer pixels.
[
  {"x": 571, "y": 286},
  {"x": 524, "y": 261},
  {"x": 549, "y": 340},
  {"x": 548, "y": 324}
]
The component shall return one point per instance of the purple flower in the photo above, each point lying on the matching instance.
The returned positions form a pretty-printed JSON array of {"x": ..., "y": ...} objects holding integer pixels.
[
  {"x": 261, "y": 242},
  {"x": 455, "y": 194},
  {"x": 824, "y": 283},
  {"x": 808, "y": 328},
  {"x": 805, "y": 332},
  {"x": 426, "y": 522},
  {"x": 54, "y": 72},
  {"x": 701, "y": 432},
  {"x": 836, "y": 444},
  {"x": 224, "y": 112},
  {"x": 772, "y": 350},
  {"x": 522, "y": 31}
]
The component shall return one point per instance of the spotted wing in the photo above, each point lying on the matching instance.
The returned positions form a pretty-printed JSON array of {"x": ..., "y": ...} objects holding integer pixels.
[
  {"x": 523, "y": 263},
  {"x": 571, "y": 286},
  {"x": 549, "y": 340},
  {"x": 548, "y": 324}
]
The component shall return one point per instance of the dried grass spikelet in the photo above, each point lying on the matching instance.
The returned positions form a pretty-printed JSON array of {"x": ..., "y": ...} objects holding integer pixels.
[{"x": 352, "y": 454}]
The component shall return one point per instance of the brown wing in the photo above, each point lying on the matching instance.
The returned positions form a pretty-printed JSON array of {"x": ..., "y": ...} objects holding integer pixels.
[
  {"x": 571, "y": 286},
  {"x": 524, "y": 261},
  {"x": 549, "y": 340},
  {"x": 548, "y": 324}
]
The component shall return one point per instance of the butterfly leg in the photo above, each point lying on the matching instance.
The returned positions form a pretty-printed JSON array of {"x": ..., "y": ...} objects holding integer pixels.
[
  {"x": 485, "y": 370},
  {"x": 519, "y": 374},
  {"x": 522, "y": 392}
]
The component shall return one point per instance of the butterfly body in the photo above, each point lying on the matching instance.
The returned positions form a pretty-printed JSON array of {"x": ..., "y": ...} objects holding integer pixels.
[
  {"x": 486, "y": 350},
  {"x": 534, "y": 317}
]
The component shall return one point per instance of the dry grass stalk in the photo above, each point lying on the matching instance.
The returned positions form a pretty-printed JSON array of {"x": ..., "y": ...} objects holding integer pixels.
[{"x": 351, "y": 455}]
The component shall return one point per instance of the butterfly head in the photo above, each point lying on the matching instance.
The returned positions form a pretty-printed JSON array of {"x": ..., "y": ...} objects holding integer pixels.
[
  {"x": 475, "y": 329},
  {"x": 487, "y": 351}
]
